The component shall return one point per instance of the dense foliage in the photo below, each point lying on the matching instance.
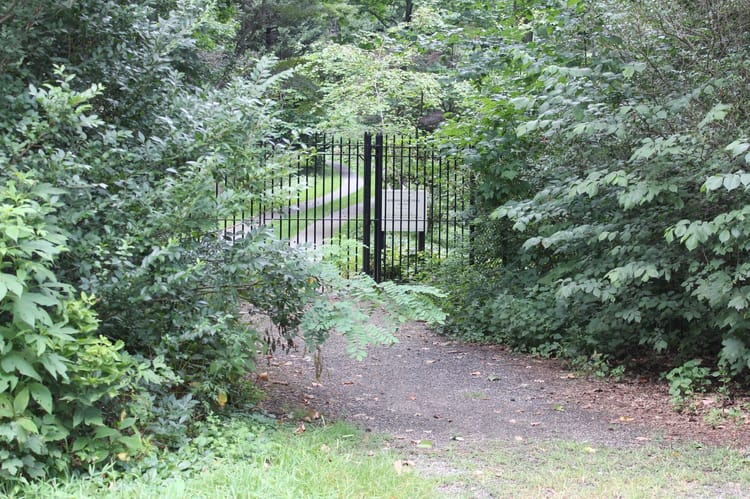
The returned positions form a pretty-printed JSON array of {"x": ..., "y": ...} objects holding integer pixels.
[
  {"x": 610, "y": 140},
  {"x": 614, "y": 141},
  {"x": 123, "y": 314}
]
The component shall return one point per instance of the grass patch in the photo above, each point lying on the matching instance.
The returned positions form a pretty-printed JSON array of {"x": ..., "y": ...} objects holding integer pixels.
[
  {"x": 297, "y": 222},
  {"x": 292, "y": 191},
  {"x": 238, "y": 458},
  {"x": 565, "y": 469},
  {"x": 244, "y": 457}
]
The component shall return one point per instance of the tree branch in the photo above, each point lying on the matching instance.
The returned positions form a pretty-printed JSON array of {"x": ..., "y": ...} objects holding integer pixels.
[{"x": 10, "y": 15}]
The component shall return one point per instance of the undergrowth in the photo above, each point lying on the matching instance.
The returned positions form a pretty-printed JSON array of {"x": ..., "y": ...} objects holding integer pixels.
[{"x": 250, "y": 456}]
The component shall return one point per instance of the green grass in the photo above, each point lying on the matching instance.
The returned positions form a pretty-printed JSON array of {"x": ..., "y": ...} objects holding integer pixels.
[
  {"x": 241, "y": 458},
  {"x": 336, "y": 461},
  {"x": 317, "y": 186},
  {"x": 296, "y": 223},
  {"x": 565, "y": 469}
]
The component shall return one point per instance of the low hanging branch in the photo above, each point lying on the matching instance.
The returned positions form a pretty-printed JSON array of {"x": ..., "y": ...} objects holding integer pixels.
[{"x": 11, "y": 14}]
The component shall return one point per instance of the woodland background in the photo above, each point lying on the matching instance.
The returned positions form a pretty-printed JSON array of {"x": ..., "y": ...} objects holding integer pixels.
[{"x": 610, "y": 140}]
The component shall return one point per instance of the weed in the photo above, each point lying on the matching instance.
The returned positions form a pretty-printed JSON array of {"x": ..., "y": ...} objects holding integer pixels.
[
  {"x": 714, "y": 417},
  {"x": 687, "y": 380},
  {"x": 475, "y": 395},
  {"x": 599, "y": 366}
]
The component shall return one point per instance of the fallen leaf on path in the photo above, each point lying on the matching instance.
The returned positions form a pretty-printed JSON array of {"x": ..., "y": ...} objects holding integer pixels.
[
  {"x": 424, "y": 444},
  {"x": 402, "y": 466},
  {"x": 623, "y": 419},
  {"x": 493, "y": 377},
  {"x": 590, "y": 450},
  {"x": 312, "y": 416},
  {"x": 430, "y": 361},
  {"x": 476, "y": 373},
  {"x": 534, "y": 424},
  {"x": 262, "y": 376},
  {"x": 348, "y": 383},
  {"x": 300, "y": 429}
]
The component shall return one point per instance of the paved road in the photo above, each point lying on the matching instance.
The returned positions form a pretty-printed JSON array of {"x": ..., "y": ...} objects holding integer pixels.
[{"x": 319, "y": 230}]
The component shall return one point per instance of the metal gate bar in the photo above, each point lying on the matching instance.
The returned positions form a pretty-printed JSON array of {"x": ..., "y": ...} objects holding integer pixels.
[{"x": 423, "y": 194}]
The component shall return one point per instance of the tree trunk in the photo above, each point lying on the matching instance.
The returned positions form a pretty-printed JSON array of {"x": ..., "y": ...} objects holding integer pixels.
[{"x": 408, "y": 10}]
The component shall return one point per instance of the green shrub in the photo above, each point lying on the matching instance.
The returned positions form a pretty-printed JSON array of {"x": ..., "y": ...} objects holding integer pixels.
[
  {"x": 65, "y": 393},
  {"x": 613, "y": 161}
]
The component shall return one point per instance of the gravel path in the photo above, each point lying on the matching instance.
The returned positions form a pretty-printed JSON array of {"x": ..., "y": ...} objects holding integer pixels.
[{"x": 426, "y": 388}]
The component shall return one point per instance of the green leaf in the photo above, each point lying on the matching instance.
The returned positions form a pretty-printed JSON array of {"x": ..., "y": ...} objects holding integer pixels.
[
  {"x": 133, "y": 442},
  {"x": 25, "y": 311},
  {"x": 42, "y": 300},
  {"x": 734, "y": 351},
  {"x": 738, "y": 302},
  {"x": 12, "y": 232},
  {"x": 6, "y": 406},
  {"x": 93, "y": 416},
  {"x": 126, "y": 423},
  {"x": 12, "y": 465},
  {"x": 713, "y": 182},
  {"x": 14, "y": 361},
  {"x": 731, "y": 182},
  {"x": 737, "y": 147},
  {"x": 106, "y": 432},
  {"x": 21, "y": 402},
  {"x": 55, "y": 365},
  {"x": 27, "y": 425},
  {"x": 42, "y": 395},
  {"x": 11, "y": 283},
  {"x": 80, "y": 444},
  {"x": 717, "y": 113}
]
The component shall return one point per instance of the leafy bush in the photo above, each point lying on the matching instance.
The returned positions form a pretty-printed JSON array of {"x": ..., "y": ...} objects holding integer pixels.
[
  {"x": 65, "y": 393},
  {"x": 616, "y": 151}
]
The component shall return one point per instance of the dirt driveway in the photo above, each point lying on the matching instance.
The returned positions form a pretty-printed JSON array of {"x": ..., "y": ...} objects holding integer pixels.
[{"x": 429, "y": 391}]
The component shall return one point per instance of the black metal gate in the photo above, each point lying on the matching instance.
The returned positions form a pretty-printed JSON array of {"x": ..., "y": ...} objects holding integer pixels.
[{"x": 406, "y": 204}]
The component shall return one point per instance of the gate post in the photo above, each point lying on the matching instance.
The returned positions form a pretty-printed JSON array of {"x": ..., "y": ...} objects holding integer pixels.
[
  {"x": 379, "y": 234},
  {"x": 367, "y": 205}
]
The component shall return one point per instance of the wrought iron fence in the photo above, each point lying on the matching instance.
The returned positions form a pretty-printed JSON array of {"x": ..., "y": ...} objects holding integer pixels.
[{"x": 406, "y": 204}]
